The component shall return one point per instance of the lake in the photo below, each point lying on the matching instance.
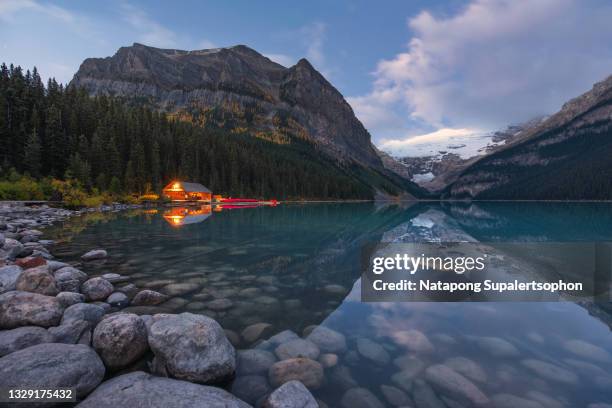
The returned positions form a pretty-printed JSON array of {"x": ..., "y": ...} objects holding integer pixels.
[{"x": 298, "y": 265}]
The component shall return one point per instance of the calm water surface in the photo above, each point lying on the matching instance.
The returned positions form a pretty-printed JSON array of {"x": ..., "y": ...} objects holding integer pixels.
[{"x": 295, "y": 266}]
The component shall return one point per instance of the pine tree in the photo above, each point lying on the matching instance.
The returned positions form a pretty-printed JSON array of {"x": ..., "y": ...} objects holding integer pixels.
[{"x": 33, "y": 154}]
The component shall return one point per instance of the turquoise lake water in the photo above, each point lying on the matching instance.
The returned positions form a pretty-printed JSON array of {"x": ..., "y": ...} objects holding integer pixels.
[{"x": 297, "y": 265}]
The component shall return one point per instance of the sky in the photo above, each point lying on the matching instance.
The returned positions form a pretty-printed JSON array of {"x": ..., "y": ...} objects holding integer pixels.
[{"x": 408, "y": 68}]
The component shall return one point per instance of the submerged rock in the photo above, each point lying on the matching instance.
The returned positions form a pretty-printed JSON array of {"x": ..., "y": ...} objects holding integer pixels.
[
  {"x": 307, "y": 371},
  {"x": 512, "y": 401},
  {"x": 192, "y": 347},
  {"x": 467, "y": 367},
  {"x": 255, "y": 331},
  {"x": 424, "y": 396},
  {"x": 53, "y": 365},
  {"x": 587, "y": 350},
  {"x": 220, "y": 304},
  {"x": 250, "y": 388},
  {"x": 373, "y": 351},
  {"x": 455, "y": 385},
  {"x": 22, "y": 337},
  {"x": 37, "y": 280},
  {"x": 413, "y": 340},
  {"x": 142, "y": 390},
  {"x": 394, "y": 396},
  {"x": 328, "y": 340},
  {"x": 254, "y": 361},
  {"x": 292, "y": 394},
  {"x": 148, "y": 298},
  {"x": 28, "y": 309},
  {"x": 360, "y": 398},
  {"x": 97, "y": 289},
  {"x": 550, "y": 371},
  {"x": 120, "y": 340},
  {"x": 283, "y": 337},
  {"x": 178, "y": 289},
  {"x": 297, "y": 348},
  {"x": 497, "y": 347},
  {"x": 94, "y": 254}
]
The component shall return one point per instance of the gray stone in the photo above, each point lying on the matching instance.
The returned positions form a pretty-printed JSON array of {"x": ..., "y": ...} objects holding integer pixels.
[
  {"x": 292, "y": 394},
  {"x": 283, "y": 337},
  {"x": 497, "y": 347},
  {"x": 219, "y": 304},
  {"x": 550, "y": 371},
  {"x": 360, "y": 398},
  {"x": 94, "y": 254},
  {"x": 297, "y": 348},
  {"x": 373, "y": 351},
  {"x": 250, "y": 388},
  {"x": 37, "y": 280},
  {"x": 69, "y": 279},
  {"x": 468, "y": 368},
  {"x": 8, "y": 278},
  {"x": 96, "y": 289},
  {"x": 178, "y": 289},
  {"x": 130, "y": 289},
  {"x": 454, "y": 385},
  {"x": 28, "y": 309},
  {"x": 148, "y": 298},
  {"x": 73, "y": 332},
  {"x": 424, "y": 396},
  {"x": 255, "y": 331},
  {"x": 83, "y": 311},
  {"x": 67, "y": 299},
  {"x": 55, "y": 265},
  {"x": 307, "y": 371},
  {"x": 22, "y": 337},
  {"x": 587, "y": 350},
  {"x": 254, "y": 361},
  {"x": 120, "y": 340},
  {"x": 53, "y": 365},
  {"x": 340, "y": 377},
  {"x": 328, "y": 340},
  {"x": 512, "y": 401},
  {"x": 142, "y": 390},
  {"x": 413, "y": 340},
  {"x": 192, "y": 347},
  {"x": 328, "y": 360},
  {"x": 114, "y": 277},
  {"x": 118, "y": 299},
  {"x": 394, "y": 396}
]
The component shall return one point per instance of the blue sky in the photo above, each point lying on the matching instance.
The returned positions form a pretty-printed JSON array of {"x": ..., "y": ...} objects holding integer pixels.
[{"x": 408, "y": 68}]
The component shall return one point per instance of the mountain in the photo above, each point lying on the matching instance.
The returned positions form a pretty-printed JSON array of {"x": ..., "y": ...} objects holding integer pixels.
[
  {"x": 242, "y": 91},
  {"x": 566, "y": 156}
]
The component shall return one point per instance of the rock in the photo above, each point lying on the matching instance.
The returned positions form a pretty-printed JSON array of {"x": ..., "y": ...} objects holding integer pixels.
[
  {"x": 192, "y": 347},
  {"x": 587, "y": 350},
  {"x": 328, "y": 360},
  {"x": 28, "y": 309},
  {"x": 360, "y": 398},
  {"x": 292, "y": 394},
  {"x": 94, "y": 254},
  {"x": 404, "y": 379},
  {"x": 373, "y": 351},
  {"x": 468, "y": 368},
  {"x": 69, "y": 279},
  {"x": 118, "y": 299},
  {"x": 497, "y": 347},
  {"x": 67, "y": 299},
  {"x": 250, "y": 388},
  {"x": 148, "y": 298},
  {"x": 114, "y": 277},
  {"x": 394, "y": 396},
  {"x": 233, "y": 337},
  {"x": 22, "y": 337},
  {"x": 55, "y": 265},
  {"x": 74, "y": 332},
  {"x": 30, "y": 262},
  {"x": 52, "y": 365},
  {"x": 424, "y": 396},
  {"x": 409, "y": 363},
  {"x": 120, "y": 340},
  {"x": 550, "y": 371},
  {"x": 455, "y": 385},
  {"x": 37, "y": 280},
  {"x": 8, "y": 278},
  {"x": 512, "y": 401},
  {"x": 12, "y": 248},
  {"x": 328, "y": 340},
  {"x": 178, "y": 289},
  {"x": 130, "y": 290},
  {"x": 308, "y": 372},
  {"x": 341, "y": 378},
  {"x": 255, "y": 331},
  {"x": 96, "y": 289},
  {"x": 297, "y": 348},
  {"x": 142, "y": 390},
  {"x": 103, "y": 305},
  {"x": 413, "y": 340},
  {"x": 283, "y": 337},
  {"x": 219, "y": 304},
  {"x": 254, "y": 361},
  {"x": 335, "y": 289},
  {"x": 83, "y": 311}
]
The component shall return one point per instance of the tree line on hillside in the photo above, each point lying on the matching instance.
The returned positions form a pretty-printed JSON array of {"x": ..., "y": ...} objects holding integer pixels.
[{"x": 62, "y": 133}]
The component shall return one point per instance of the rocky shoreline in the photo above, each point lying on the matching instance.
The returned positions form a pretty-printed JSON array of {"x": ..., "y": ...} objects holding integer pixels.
[{"x": 61, "y": 328}]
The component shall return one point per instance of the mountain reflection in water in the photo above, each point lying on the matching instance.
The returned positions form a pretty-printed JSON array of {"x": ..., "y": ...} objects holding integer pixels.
[{"x": 297, "y": 265}]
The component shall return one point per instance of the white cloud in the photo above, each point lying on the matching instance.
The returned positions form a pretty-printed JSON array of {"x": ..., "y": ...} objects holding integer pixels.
[
  {"x": 206, "y": 45},
  {"x": 495, "y": 62},
  {"x": 150, "y": 32},
  {"x": 284, "y": 60}
]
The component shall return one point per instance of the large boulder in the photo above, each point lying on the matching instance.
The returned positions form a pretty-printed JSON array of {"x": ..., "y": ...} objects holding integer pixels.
[
  {"x": 69, "y": 279},
  {"x": 148, "y": 298},
  {"x": 28, "y": 309},
  {"x": 96, "y": 289},
  {"x": 292, "y": 394},
  {"x": 83, "y": 311},
  {"x": 8, "y": 277},
  {"x": 52, "y": 365},
  {"x": 120, "y": 340},
  {"x": 22, "y": 337},
  {"x": 94, "y": 254},
  {"x": 37, "y": 280},
  {"x": 191, "y": 347},
  {"x": 142, "y": 390},
  {"x": 305, "y": 370}
]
